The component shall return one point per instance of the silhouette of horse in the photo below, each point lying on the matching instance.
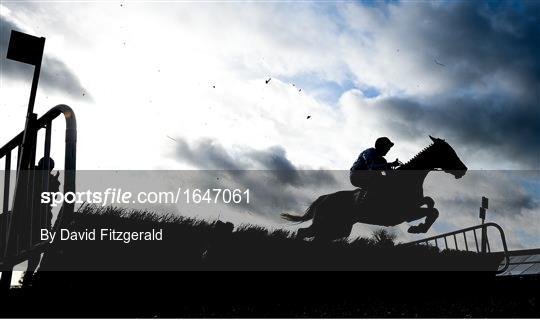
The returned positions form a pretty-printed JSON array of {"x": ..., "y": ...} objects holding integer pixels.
[{"x": 399, "y": 199}]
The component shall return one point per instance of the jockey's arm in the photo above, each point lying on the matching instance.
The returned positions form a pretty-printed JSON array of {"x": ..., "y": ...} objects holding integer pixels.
[
  {"x": 377, "y": 163},
  {"x": 378, "y": 166}
]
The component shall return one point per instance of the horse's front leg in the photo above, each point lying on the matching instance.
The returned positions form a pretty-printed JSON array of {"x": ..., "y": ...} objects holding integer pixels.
[
  {"x": 431, "y": 215},
  {"x": 428, "y": 201}
]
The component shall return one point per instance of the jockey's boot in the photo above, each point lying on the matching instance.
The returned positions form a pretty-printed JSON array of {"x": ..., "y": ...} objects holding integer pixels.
[{"x": 360, "y": 195}]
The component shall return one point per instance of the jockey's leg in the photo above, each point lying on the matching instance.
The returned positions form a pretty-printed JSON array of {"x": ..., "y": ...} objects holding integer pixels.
[{"x": 357, "y": 179}]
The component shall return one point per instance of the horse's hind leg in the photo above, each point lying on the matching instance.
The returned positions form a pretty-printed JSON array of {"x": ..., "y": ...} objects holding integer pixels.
[{"x": 431, "y": 215}]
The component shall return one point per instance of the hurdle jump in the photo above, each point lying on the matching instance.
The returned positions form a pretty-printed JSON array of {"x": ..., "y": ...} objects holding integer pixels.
[
  {"x": 452, "y": 238},
  {"x": 15, "y": 244}
]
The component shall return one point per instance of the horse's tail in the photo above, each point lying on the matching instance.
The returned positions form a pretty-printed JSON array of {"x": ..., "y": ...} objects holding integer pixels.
[{"x": 308, "y": 215}]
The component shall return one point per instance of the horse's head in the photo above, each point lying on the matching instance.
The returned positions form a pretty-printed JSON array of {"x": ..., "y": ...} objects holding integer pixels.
[{"x": 447, "y": 159}]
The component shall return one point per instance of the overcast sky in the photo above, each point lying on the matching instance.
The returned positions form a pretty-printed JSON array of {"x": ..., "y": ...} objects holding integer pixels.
[{"x": 185, "y": 85}]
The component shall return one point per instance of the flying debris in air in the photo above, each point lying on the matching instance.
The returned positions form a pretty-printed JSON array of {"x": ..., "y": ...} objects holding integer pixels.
[
  {"x": 171, "y": 138},
  {"x": 437, "y": 62},
  {"x": 308, "y": 117},
  {"x": 267, "y": 81}
]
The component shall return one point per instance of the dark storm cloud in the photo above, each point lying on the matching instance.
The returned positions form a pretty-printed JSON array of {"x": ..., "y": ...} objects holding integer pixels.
[
  {"x": 497, "y": 125},
  {"x": 55, "y": 75},
  {"x": 487, "y": 55},
  {"x": 209, "y": 154},
  {"x": 504, "y": 188},
  {"x": 479, "y": 43},
  {"x": 274, "y": 181},
  {"x": 206, "y": 154},
  {"x": 275, "y": 159}
]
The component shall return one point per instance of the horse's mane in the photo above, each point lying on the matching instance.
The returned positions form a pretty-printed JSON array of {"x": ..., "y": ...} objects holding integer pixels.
[{"x": 416, "y": 157}]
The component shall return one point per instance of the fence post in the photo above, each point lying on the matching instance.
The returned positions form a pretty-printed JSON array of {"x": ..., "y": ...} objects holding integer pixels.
[
  {"x": 484, "y": 239},
  {"x": 20, "y": 210}
]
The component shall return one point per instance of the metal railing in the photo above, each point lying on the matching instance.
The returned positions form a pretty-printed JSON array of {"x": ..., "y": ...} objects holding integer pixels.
[
  {"x": 16, "y": 243},
  {"x": 453, "y": 236},
  {"x": 529, "y": 262}
]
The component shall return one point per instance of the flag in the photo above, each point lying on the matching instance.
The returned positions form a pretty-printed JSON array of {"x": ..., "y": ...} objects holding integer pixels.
[
  {"x": 25, "y": 48},
  {"x": 484, "y": 202}
]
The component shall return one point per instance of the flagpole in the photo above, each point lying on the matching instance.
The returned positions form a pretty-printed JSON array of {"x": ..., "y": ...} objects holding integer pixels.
[
  {"x": 25, "y": 155},
  {"x": 28, "y": 49},
  {"x": 19, "y": 201}
]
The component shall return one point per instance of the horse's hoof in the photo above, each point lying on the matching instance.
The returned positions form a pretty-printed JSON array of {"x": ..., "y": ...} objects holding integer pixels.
[
  {"x": 429, "y": 202},
  {"x": 417, "y": 229}
]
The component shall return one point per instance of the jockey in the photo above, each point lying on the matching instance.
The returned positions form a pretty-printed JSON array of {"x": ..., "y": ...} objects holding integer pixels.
[{"x": 367, "y": 168}]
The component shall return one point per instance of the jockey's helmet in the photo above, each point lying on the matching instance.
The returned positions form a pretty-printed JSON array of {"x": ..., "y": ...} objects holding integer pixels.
[{"x": 383, "y": 143}]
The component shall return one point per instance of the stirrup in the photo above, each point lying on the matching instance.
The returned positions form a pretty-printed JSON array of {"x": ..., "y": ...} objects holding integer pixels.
[{"x": 360, "y": 195}]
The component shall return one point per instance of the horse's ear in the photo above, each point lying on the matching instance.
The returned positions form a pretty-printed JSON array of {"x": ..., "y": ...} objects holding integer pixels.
[{"x": 436, "y": 139}]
